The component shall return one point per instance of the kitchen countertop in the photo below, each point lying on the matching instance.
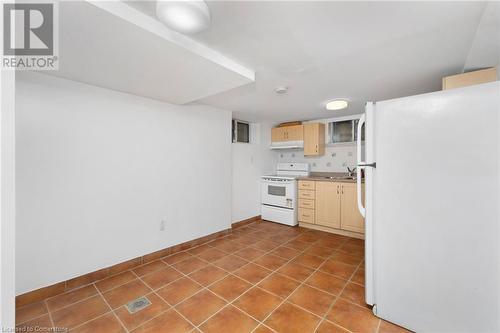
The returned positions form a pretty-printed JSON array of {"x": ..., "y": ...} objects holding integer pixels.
[{"x": 329, "y": 177}]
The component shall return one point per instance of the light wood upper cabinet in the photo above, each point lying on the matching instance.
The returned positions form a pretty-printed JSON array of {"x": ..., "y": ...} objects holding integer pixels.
[
  {"x": 295, "y": 133},
  {"x": 350, "y": 218},
  {"x": 328, "y": 204},
  {"x": 470, "y": 78},
  {"x": 314, "y": 139},
  {"x": 313, "y": 135},
  {"x": 278, "y": 134},
  {"x": 287, "y": 133}
]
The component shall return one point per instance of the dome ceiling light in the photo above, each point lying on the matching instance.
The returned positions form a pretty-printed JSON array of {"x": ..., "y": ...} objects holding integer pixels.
[
  {"x": 281, "y": 90},
  {"x": 187, "y": 16},
  {"x": 337, "y": 104}
]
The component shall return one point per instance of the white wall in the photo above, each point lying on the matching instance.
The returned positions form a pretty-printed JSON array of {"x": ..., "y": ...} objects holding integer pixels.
[
  {"x": 7, "y": 199},
  {"x": 98, "y": 170},
  {"x": 336, "y": 159},
  {"x": 249, "y": 162}
]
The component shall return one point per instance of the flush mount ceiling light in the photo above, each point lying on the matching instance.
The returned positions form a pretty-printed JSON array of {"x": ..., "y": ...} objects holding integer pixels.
[
  {"x": 337, "y": 104},
  {"x": 281, "y": 90},
  {"x": 187, "y": 16}
]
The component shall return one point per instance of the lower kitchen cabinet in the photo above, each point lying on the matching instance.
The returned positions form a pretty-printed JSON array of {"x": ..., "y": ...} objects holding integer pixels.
[
  {"x": 328, "y": 204},
  {"x": 306, "y": 215},
  {"x": 331, "y": 206},
  {"x": 350, "y": 216}
]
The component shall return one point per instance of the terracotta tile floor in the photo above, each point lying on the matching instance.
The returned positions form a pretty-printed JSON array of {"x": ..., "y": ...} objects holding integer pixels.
[{"x": 264, "y": 277}]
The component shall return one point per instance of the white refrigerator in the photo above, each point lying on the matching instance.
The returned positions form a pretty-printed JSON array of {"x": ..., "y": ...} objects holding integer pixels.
[{"x": 431, "y": 209}]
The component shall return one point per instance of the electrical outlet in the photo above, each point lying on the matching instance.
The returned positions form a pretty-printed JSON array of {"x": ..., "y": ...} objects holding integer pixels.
[
  {"x": 163, "y": 224},
  {"x": 329, "y": 164},
  {"x": 349, "y": 153}
]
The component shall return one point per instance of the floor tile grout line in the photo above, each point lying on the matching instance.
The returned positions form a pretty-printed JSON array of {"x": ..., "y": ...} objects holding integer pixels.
[
  {"x": 50, "y": 315},
  {"x": 129, "y": 270},
  {"x": 49, "y": 312},
  {"x": 112, "y": 311},
  {"x": 253, "y": 285},
  {"x": 204, "y": 288},
  {"x": 63, "y": 307},
  {"x": 37, "y": 317},
  {"x": 280, "y": 244},
  {"x": 99, "y": 316},
  {"x": 293, "y": 291},
  {"x": 336, "y": 299},
  {"x": 172, "y": 307},
  {"x": 88, "y": 321},
  {"x": 229, "y": 273},
  {"x": 88, "y": 297},
  {"x": 98, "y": 291},
  {"x": 246, "y": 291},
  {"x": 303, "y": 282}
]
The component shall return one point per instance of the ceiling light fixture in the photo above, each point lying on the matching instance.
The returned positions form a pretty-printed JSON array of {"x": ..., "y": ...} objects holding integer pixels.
[
  {"x": 281, "y": 90},
  {"x": 337, "y": 104},
  {"x": 187, "y": 16}
]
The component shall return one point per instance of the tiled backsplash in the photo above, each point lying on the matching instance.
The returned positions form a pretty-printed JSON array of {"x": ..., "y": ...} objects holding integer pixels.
[{"x": 336, "y": 159}]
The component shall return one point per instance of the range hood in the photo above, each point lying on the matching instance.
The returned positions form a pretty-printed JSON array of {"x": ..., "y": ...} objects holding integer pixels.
[{"x": 288, "y": 145}]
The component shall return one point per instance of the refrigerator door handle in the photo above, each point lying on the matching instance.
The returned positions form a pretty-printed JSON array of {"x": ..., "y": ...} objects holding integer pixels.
[
  {"x": 361, "y": 166},
  {"x": 371, "y": 165}
]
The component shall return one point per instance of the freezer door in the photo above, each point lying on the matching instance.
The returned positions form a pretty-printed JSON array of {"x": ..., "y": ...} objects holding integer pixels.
[{"x": 435, "y": 210}]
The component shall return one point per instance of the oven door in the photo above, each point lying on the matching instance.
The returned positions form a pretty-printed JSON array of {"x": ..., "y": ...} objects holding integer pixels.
[{"x": 278, "y": 192}]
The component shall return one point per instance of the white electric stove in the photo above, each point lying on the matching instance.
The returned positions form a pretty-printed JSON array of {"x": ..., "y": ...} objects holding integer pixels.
[{"x": 279, "y": 193}]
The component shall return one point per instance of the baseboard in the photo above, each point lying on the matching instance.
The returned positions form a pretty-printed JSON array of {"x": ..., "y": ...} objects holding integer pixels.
[
  {"x": 80, "y": 281},
  {"x": 243, "y": 223},
  {"x": 332, "y": 230}
]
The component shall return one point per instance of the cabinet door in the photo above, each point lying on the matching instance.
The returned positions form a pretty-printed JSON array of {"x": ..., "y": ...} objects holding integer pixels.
[
  {"x": 351, "y": 218},
  {"x": 314, "y": 139},
  {"x": 328, "y": 204},
  {"x": 278, "y": 134},
  {"x": 295, "y": 133},
  {"x": 470, "y": 78}
]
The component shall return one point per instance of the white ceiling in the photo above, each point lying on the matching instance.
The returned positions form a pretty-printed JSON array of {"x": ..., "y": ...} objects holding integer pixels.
[
  {"x": 112, "y": 45},
  {"x": 363, "y": 51},
  {"x": 485, "y": 49}
]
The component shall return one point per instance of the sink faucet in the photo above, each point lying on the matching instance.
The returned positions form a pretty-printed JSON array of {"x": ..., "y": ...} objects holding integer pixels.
[{"x": 351, "y": 172}]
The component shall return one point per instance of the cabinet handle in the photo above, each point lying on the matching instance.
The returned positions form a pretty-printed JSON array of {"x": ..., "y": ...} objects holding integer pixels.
[
  {"x": 337, "y": 189},
  {"x": 342, "y": 189}
]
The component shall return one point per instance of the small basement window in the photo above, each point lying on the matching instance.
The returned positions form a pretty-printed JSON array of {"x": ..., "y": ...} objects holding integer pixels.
[
  {"x": 344, "y": 131},
  {"x": 241, "y": 131}
]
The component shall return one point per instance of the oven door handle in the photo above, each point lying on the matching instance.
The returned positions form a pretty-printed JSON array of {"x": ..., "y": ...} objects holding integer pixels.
[{"x": 276, "y": 182}]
